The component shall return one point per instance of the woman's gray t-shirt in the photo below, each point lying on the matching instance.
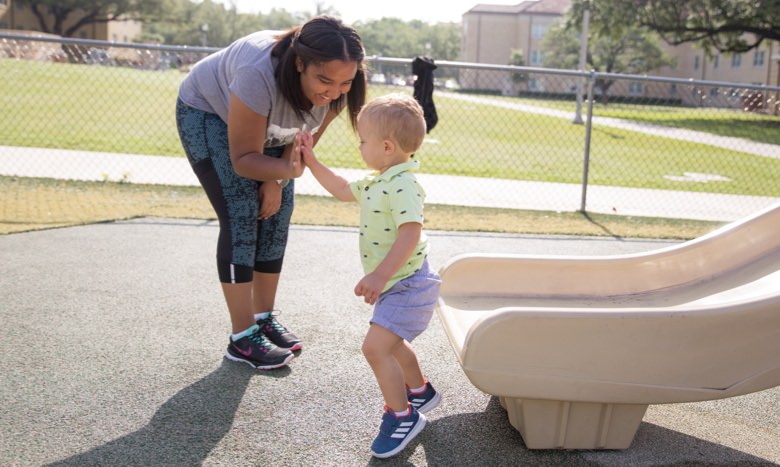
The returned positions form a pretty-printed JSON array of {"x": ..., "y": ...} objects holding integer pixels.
[{"x": 246, "y": 69}]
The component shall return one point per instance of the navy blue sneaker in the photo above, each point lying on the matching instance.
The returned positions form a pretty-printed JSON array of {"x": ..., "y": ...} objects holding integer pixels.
[
  {"x": 396, "y": 432},
  {"x": 279, "y": 334},
  {"x": 424, "y": 401},
  {"x": 257, "y": 351}
]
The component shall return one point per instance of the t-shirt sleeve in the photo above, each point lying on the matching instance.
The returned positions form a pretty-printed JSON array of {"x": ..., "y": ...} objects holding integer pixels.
[
  {"x": 253, "y": 89},
  {"x": 356, "y": 187},
  {"x": 407, "y": 199}
]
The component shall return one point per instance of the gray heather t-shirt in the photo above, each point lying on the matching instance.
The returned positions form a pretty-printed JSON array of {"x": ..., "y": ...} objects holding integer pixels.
[{"x": 246, "y": 69}]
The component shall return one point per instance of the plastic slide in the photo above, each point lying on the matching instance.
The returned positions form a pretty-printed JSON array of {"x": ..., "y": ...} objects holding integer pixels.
[{"x": 577, "y": 347}]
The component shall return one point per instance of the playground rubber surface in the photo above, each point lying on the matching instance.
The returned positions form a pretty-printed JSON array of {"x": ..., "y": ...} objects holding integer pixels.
[{"x": 112, "y": 344}]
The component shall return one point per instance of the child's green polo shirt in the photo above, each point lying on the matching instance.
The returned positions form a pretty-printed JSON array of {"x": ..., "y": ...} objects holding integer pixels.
[{"x": 387, "y": 201}]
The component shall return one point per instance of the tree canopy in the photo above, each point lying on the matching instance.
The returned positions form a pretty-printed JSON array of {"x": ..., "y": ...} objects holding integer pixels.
[
  {"x": 724, "y": 25},
  {"x": 611, "y": 48},
  {"x": 85, "y": 12}
]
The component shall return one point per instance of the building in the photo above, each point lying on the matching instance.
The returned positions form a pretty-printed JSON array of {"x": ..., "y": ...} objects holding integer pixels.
[
  {"x": 759, "y": 66},
  {"x": 491, "y": 32},
  {"x": 17, "y": 17}
]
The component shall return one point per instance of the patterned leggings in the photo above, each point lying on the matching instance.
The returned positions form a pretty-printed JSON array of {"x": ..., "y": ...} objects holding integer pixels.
[{"x": 245, "y": 243}]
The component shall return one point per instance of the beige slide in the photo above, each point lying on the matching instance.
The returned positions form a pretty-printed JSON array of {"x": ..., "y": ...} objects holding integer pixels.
[{"x": 577, "y": 347}]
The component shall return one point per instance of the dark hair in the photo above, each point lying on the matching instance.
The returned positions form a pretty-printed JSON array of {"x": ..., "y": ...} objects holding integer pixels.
[{"x": 320, "y": 40}]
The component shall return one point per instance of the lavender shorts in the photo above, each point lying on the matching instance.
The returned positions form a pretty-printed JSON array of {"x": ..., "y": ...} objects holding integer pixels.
[{"x": 406, "y": 308}]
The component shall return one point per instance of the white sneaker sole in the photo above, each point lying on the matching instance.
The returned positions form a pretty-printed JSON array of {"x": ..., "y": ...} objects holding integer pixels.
[
  {"x": 233, "y": 358},
  {"x": 412, "y": 434}
]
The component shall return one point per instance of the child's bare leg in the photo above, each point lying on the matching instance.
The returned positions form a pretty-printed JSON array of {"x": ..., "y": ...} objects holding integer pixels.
[
  {"x": 378, "y": 348},
  {"x": 407, "y": 358}
]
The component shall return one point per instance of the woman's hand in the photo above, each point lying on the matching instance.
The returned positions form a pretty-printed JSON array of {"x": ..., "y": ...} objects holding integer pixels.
[
  {"x": 292, "y": 154},
  {"x": 270, "y": 196},
  {"x": 304, "y": 145}
]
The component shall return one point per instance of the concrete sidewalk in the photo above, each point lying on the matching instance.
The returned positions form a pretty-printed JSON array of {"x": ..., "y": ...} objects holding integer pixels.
[
  {"x": 440, "y": 189},
  {"x": 131, "y": 326}
]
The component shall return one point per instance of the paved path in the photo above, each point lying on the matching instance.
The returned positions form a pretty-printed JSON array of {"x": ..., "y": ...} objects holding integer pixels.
[
  {"x": 441, "y": 189},
  {"x": 127, "y": 366},
  {"x": 681, "y": 134}
]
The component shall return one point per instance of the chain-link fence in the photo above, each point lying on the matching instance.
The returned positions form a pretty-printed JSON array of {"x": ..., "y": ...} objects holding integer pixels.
[{"x": 510, "y": 137}]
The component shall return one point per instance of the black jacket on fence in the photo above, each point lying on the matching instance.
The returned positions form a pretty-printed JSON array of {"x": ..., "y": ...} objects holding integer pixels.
[{"x": 423, "y": 67}]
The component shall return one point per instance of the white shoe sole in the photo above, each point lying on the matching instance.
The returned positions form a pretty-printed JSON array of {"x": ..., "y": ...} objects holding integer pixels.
[
  {"x": 412, "y": 434},
  {"x": 431, "y": 404},
  {"x": 233, "y": 358}
]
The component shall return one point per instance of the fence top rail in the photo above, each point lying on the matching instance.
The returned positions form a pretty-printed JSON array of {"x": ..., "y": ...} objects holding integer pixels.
[
  {"x": 590, "y": 75},
  {"x": 98, "y": 43}
]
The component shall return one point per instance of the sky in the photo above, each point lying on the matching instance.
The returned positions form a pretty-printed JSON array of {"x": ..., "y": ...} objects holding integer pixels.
[{"x": 353, "y": 10}]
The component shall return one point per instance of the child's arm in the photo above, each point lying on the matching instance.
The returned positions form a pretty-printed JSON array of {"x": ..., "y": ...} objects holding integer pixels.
[
  {"x": 336, "y": 185},
  {"x": 373, "y": 283}
]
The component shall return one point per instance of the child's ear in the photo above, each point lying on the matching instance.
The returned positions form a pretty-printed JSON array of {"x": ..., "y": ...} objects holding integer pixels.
[{"x": 389, "y": 146}]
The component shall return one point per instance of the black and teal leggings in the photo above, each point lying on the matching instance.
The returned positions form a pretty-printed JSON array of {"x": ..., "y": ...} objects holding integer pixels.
[{"x": 245, "y": 243}]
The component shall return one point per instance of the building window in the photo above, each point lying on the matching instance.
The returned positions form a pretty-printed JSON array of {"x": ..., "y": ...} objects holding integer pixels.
[
  {"x": 538, "y": 31},
  {"x": 758, "y": 58},
  {"x": 714, "y": 92},
  {"x": 736, "y": 60},
  {"x": 636, "y": 88},
  {"x": 716, "y": 61},
  {"x": 673, "y": 90},
  {"x": 696, "y": 63},
  {"x": 537, "y": 57}
]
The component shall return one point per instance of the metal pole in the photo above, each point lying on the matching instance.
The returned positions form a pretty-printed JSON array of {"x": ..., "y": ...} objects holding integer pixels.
[
  {"x": 588, "y": 128},
  {"x": 583, "y": 59}
]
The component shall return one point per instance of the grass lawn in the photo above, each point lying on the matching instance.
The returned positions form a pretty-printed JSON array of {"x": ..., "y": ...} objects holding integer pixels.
[{"x": 112, "y": 109}]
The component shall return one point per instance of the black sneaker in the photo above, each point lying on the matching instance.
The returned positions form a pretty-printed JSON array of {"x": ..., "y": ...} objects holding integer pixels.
[
  {"x": 257, "y": 351},
  {"x": 279, "y": 334}
]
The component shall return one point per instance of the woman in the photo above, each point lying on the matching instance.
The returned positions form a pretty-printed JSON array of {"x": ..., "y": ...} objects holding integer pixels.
[{"x": 238, "y": 114}]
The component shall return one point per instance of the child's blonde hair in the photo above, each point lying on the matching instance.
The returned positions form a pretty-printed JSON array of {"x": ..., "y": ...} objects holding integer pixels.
[{"x": 397, "y": 117}]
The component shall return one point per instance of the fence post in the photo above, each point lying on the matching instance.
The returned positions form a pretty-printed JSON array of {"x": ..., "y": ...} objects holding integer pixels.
[{"x": 588, "y": 127}]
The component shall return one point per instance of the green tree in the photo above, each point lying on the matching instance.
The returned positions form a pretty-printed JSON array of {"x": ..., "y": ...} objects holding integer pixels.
[
  {"x": 182, "y": 22},
  {"x": 85, "y": 12},
  {"x": 517, "y": 58},
  {"x": 724, "y": 25},
  {"x": 393, "y": 37},
  {"x": 630, "y": 50}
]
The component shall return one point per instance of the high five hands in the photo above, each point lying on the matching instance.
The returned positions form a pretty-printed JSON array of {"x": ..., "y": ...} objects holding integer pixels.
[
  {"x": 270, "y": 194},
  {"x": 304, "y": 146}
]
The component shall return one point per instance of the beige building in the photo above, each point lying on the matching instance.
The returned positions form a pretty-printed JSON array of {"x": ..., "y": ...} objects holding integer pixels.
[
  {"x": 17, "y": 17},
  {"x": 491, "y": 32}
]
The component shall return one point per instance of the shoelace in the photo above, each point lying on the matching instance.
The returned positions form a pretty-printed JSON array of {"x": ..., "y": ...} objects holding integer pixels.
[
  {"x": 274, "y": 324},
  {"x": 261, "y": 340}
]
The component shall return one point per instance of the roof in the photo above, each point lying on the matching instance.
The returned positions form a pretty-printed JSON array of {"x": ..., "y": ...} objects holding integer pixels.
[{"x": 555, "y": 7}]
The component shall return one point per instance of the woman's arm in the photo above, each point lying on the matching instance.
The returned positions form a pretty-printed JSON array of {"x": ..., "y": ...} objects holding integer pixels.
[{"x": 246, "y": 136}]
